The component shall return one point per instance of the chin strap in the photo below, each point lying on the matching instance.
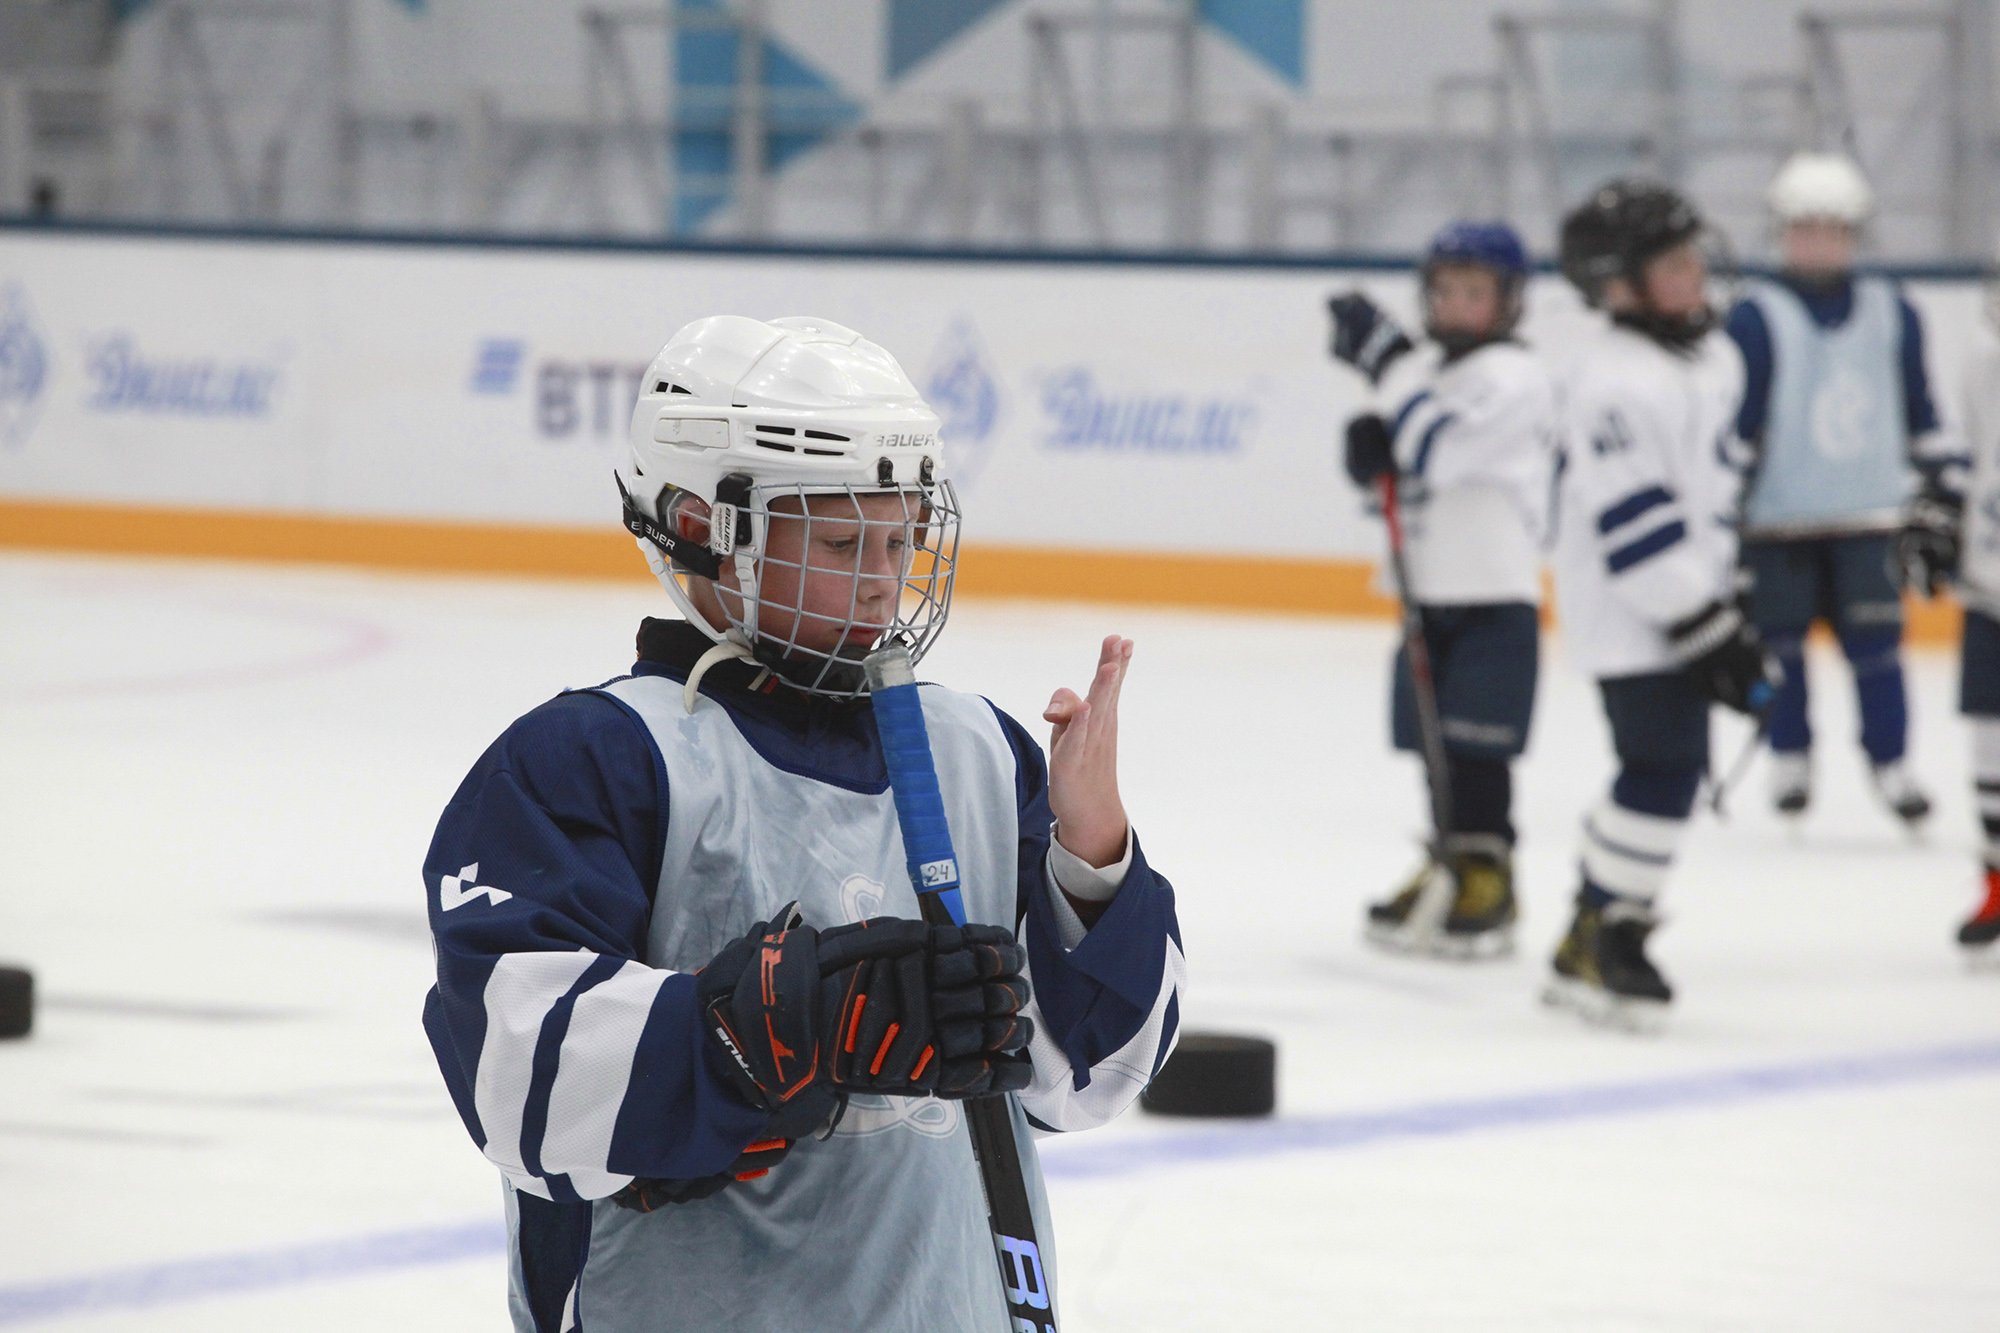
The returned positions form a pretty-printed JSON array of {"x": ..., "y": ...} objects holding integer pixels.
[{"x": 730, "y": 647}]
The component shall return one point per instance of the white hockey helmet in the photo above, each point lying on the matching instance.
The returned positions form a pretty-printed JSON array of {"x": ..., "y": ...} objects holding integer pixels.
[
  {"x": 1821, "y": 186},
  {"x": 740, "y": 420}
]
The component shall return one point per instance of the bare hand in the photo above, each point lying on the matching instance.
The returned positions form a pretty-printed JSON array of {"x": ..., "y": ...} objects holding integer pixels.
[{"x": 1083, "y": 761}]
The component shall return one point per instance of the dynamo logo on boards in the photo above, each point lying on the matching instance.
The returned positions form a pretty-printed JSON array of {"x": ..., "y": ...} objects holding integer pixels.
[
  {"x": 964, "y": 391},
  {"x": 125, "y": 379},
  {"x": 24, "y": 366},
  {"x": 1081, "y": 416}
]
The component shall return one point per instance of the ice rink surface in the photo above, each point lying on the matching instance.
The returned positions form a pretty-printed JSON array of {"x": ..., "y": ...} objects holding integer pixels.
[{"x": 220, "y": 780}]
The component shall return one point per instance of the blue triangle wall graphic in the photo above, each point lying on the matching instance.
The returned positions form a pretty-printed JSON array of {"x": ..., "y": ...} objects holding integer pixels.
[
  {"x": 1274, "y": 31},
  {"x": 919, "y": 27},
  {"x": 803, "y": 108},
  {"x": 1271, "y": 31}
]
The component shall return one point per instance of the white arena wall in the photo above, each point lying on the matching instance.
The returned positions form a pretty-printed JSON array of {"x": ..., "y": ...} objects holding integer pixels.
[{"x": 1119, "y": 430}]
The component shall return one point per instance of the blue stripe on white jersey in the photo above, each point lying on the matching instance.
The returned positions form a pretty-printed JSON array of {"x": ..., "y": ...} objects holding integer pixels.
[
  {"x": 1427, "y": 439},
  {"x": 1404, "y": 412},
  {"x": 1632, "y": 506},
  {"x": 1662, "y": 538}
]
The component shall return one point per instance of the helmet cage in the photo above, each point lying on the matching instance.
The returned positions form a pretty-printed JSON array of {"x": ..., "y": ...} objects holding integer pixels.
[{"x": 780, "y": 589}]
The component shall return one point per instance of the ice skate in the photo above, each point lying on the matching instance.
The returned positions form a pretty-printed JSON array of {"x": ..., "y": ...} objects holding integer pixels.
[
  {"x": 1462, "y": 908},
  {"x": 1791, "y": 782},
  {"x": 1899, "y": 791},
  {"x": 1601, "y": 970},
  {"x": 1980, "y": 935},
  {"x": 1480, "y": 923},
  {"x": 1408, "y": 921}
]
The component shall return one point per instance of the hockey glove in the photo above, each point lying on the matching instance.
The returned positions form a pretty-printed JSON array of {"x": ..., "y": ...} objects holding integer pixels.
[
  {"x": 1371, "y": 450},
  {"x": 1725, "y": 657},
  {"x": 1925, "y": 553},
  {"x": 1364, "y": 336},
  {"x": 886, "y": 1006},
  {"x": 926, "y": 1009},
  {"x": 651, "y": 1192}
]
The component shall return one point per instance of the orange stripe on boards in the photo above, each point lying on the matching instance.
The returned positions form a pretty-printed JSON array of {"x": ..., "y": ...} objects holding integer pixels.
[
  {"x": 1080, "y": 574},
  {"x": 500, "y": 548},
  {"x": 1247, "y": 583}
]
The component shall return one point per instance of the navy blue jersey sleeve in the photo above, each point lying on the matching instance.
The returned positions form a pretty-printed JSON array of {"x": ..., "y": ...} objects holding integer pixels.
[
  {"x": 1107, "y": 1011},
  {"x": 1919, "y": 409},
  {"x": 1753, "y": 338},
  {"x": 573, "y": 1064}
]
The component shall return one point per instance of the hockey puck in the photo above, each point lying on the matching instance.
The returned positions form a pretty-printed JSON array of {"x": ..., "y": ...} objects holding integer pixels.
[
  {"x": 17, "y": 1001},
  {"x": 1212, "y": 1073}
]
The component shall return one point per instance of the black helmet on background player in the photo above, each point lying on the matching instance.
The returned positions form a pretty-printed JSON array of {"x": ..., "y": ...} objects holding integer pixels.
[
  {"x": 1622, "y": 227},
  {"x": 739, "y": 418},
  {"x": 1493, "y": 246}
]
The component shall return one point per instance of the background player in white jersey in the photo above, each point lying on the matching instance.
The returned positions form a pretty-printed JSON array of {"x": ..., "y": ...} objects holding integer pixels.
[
  {"x": 717, "y": 1101},
  {"x": 1646, "y": 569},
  {"x": 1953, "y": 536},
  {"x": 1837, "y": 410},
  {"x": 1467, "y": 421}
]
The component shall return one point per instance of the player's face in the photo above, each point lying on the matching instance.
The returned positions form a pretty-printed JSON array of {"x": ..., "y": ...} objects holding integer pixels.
[
  {"x": 833, "y": 568},
  {"x": 1818, "y": 245},
  {"x": 1677, "y": 281},
  {"x": 1464, "y": 298}
]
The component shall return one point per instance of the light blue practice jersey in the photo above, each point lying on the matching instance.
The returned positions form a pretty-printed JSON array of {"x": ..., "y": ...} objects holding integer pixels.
[
  {"x": 1835, "y": 455},
  {"x": 628, "y": 840}
]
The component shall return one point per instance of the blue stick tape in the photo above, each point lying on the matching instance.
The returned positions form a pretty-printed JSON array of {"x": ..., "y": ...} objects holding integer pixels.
[{"x": 906, "y": 748}]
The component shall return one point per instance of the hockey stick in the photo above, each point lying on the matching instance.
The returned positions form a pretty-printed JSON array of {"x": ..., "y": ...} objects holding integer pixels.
[
  {"x": 906, "y": 748},
  {"x": 1416, "y": 651},
  {"x": 1718, "y": 792}
]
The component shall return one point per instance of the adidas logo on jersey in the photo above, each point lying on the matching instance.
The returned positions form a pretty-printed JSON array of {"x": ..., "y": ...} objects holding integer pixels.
[{"x": 460, "y": 889}]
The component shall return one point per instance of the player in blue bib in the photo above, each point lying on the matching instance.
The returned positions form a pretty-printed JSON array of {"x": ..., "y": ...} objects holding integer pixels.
[
  {"x": 685, "y": 1001},
  {"x": 1837, "y": 410}
]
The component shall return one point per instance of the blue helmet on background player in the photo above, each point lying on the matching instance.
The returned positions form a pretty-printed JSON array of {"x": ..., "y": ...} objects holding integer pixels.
[{"x": 1493, "y": 246}]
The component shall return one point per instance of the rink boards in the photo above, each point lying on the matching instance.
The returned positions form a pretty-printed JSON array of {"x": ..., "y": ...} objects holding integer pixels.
[{"x": 1122, "y": 427}]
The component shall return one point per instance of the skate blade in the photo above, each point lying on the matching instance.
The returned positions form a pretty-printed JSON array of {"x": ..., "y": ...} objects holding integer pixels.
[
  {"x": 1424, "y": 923},
  {"x": 1409, "y": 942},
  {"x": 1600, "y": 1008},
  {"x": 1483, "y": 947},
  {"x": 1981, "y": 958}
]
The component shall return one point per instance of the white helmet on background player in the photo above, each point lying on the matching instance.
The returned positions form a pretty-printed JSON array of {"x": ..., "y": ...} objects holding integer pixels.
[
  {"x": 1821, "y": 187},
  {"x": 739, "y": 418}
]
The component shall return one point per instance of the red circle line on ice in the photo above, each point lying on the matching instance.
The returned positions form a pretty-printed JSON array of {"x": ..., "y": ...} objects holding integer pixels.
[{"x": 358, "y": 640}]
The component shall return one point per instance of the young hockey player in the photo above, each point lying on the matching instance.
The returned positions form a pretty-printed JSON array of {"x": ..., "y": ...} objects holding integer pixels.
[
  {"x": 683, "y": 1000},
  {"x": 1466, "y": 420},
  {"x": 1837, "y": 411},
  {"x": 1947, "y": 538},
  {"x": 1645, "y": 572}
]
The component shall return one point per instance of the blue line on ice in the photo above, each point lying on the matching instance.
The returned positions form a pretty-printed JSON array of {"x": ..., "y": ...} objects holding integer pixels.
[
  {"x": 1325, "y": 1132},
  {"x": 221, "y": 1275},
  {"x": 260, "y": 1270}
]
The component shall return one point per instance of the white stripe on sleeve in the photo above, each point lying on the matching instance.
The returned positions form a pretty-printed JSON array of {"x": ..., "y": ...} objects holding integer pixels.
[
  {"x": 519, "y": 995},
  {"x": 593, "y": 1074},
  {"x": 1116, "y": 1080}
]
